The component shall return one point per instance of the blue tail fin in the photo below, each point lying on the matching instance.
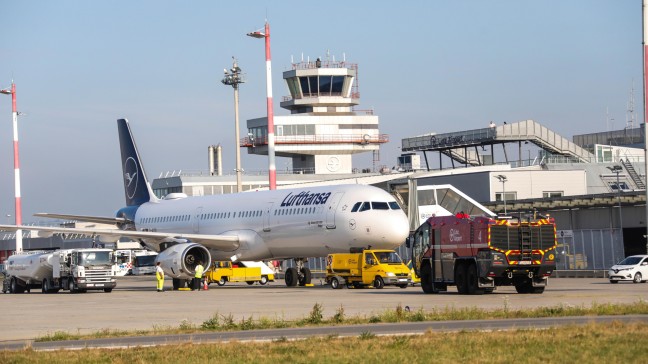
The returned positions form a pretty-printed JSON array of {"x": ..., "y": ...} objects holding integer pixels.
[{"x": 136, "y": 186}]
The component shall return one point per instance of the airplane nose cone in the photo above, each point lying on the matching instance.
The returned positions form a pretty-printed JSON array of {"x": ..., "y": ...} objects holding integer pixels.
[{"x": 395, "y": 231}]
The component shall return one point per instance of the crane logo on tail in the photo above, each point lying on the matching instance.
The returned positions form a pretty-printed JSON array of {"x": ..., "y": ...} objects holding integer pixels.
[{"x": 130, "y": 176}]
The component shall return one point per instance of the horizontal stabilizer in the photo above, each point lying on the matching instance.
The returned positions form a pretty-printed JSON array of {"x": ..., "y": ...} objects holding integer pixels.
[{"x": 95, "y": 219}]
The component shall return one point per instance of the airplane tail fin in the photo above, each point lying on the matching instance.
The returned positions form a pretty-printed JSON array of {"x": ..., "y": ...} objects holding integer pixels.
[{"x": 136, "y": 185}]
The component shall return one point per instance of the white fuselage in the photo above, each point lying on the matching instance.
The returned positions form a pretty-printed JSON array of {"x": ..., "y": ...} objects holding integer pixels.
[{"x": 304, "y": 222}]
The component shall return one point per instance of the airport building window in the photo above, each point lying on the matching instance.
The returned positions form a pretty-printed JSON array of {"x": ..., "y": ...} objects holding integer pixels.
[{"x": 510, "y": 196}]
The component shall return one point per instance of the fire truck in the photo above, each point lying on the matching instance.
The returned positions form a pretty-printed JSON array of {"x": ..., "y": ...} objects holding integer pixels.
[{"x": 480, "y": 253}]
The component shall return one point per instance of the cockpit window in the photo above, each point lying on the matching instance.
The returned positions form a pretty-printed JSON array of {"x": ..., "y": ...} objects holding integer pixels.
[
  {"x": 356, "y": 206},
  {"x": 379, "y": 206},
  {"x": 394, "y": 205},
  {"x": 365, "y": 206}
]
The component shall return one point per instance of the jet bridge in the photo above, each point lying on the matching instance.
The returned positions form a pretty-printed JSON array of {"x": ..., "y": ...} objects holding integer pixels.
[{"x": 462, "y": 146}]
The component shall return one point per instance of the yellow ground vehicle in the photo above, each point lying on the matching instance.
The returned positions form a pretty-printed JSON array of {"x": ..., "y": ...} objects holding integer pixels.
[
  {"x": 375, "y": 268},
  {"x": 250, "y": 272}
]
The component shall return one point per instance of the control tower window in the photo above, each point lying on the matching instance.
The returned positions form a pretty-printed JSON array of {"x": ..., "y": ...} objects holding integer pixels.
[
  {"x": 312, "y": 86},
  {"x": 325, "y": 85},
  {"x": 336, "y": 86}
]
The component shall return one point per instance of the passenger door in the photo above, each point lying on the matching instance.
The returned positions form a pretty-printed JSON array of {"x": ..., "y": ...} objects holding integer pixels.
[{"x": 330, "y": 213}]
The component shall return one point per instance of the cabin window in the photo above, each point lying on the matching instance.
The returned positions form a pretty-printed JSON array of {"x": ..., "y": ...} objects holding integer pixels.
[
  {"x": 379, "y": 206},
  {"x": 356, "y": 206},
  {"x": 365, "y": 206}
]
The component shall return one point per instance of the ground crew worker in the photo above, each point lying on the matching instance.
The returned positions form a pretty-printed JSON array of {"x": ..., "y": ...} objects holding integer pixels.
[
  {"x": 198, "y": 276},
  {"x": 159, "y": 274}
]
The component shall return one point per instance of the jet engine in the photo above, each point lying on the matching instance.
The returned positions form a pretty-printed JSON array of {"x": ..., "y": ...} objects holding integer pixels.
[{"x": 180, "y": 260}]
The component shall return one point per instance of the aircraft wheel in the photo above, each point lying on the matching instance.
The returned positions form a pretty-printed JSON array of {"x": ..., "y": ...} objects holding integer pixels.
[
  {"x": 305, "y": 276},
  {"x": 291, "y": 277}
]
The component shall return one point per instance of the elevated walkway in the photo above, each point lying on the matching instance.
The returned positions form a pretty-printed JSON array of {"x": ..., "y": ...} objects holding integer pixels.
[{"x": 456, "y": 144}]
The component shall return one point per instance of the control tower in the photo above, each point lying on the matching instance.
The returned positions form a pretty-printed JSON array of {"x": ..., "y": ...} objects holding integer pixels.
[{"x": 323, "y": 130}]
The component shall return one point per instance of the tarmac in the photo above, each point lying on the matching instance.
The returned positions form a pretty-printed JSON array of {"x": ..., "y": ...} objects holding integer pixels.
[{"x": 135, "y": 304}]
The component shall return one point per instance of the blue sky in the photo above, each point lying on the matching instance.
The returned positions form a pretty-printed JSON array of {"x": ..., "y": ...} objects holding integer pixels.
[{"x": 424, "y": 66}]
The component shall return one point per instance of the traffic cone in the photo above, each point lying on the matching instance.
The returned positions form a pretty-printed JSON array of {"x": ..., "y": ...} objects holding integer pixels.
[{"x": 205, "y": 286}]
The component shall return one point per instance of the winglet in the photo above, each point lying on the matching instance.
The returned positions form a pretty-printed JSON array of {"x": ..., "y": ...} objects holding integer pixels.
[{"x": 136, "y": 186}]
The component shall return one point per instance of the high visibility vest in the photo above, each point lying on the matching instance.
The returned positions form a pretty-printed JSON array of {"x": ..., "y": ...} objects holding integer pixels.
[{"x": 199, "y": 271}]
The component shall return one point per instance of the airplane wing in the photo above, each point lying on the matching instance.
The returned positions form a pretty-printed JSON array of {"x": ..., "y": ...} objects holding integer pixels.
[
  {"x": 217, "y": 242},
  {"x": 95, "y": 219}
]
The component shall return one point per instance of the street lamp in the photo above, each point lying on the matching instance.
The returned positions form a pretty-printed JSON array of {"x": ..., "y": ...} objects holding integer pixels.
[
  {"x": 502, "y": 178},
  {"x": 272, "y": 168},
  {"x": 616, "y": 169},
  {"x": 234, "y": 77}
]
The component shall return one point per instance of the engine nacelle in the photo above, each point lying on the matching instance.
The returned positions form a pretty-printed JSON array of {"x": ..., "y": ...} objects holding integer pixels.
[{"x": 180, "y": 260}]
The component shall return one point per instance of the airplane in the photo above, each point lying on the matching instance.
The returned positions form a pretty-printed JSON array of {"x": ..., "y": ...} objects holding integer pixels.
[{"x": 279, "y": 224}]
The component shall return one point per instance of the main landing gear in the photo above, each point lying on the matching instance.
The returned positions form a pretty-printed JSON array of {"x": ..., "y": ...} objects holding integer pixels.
[{"x": 299, "y": 274}]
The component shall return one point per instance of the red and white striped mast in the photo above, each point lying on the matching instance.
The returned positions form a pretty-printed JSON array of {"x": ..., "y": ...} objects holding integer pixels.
[
  {"x": 272, "y": 168},
  {"x": 18, "y": 213},
  {"x": 644, "y": 17}
]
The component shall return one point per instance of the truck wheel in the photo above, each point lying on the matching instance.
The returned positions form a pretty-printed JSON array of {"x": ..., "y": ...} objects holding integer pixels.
[
  {"x": 335, "y": 284},
  {"x": 472, "y": 280},
  {"x": 524, "y": 287},
  {"x": 460, "y": 278},
  {"x": 221, "y": 282},
  {"x": 264, "y": 280},
  {"x": 378, "y": 283},
  {"x": 46, "y": 286},
  {"x": 426, "y": 279},
  {"x": 249, "y": 283},
  {"x": 12, "y": 285},
  {"x": 305, "y": 276},
  {"x": 291, "y": 277},
  {"x": 107, "y": 290},
  {"x": 71, "y": 286}
]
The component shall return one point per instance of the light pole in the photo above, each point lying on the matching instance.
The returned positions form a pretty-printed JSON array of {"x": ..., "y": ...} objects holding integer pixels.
[
  {"x": 14, "y": 110},
  {"x": 617, "y": 169},
  {"x": 272, "y": 168},
  {"x": 234, "y": 77},
  {"x": 502, "y": 178}
]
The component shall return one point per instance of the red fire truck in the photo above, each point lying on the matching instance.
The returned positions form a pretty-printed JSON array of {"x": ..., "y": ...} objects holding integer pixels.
[{"x": 477, "y": 254}]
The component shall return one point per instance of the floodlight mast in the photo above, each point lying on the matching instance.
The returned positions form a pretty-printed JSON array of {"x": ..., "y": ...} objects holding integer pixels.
[
  {"x": 502, "y": 178},
  {"x": 272, "y": 168},
  {"x": 18, "y": 204},
  {"x": 233, "y": 78}
]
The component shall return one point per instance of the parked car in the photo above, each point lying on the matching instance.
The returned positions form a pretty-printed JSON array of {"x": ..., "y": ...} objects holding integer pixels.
[{"x": 632, "y": 269}]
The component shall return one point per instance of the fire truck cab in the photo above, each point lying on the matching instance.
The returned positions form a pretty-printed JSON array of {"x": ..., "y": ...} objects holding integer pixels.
[{"x": 477, "y": 254}]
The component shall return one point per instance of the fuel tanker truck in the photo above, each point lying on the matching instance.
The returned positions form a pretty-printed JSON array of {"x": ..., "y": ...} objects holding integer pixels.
[{"x": 75, "y": 270}]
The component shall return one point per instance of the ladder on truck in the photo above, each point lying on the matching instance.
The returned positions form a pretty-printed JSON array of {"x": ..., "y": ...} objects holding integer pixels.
[{"x": 524, "y": 235}]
